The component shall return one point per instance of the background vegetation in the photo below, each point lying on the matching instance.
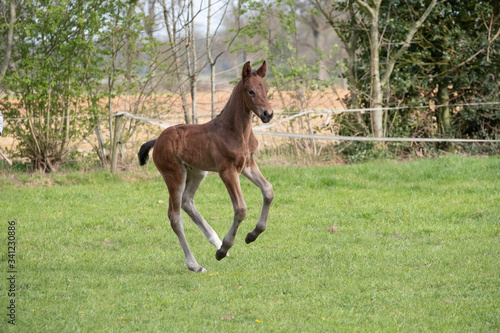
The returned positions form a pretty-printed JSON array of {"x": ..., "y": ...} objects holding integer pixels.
[{"x": 66, "y": 67}]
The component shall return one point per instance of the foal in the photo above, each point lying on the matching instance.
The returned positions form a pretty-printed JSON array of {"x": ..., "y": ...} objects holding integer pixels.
[{"x": 184, "y": 153}]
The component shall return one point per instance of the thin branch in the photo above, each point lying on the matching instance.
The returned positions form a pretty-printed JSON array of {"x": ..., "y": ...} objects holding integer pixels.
[
  {"x": 490, "y": 41},
  {"x": 367, "y": 7},
  {"x": 406, "y": 44}
]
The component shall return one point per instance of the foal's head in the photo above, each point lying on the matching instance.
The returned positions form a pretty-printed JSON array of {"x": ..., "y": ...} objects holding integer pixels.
[{"x": 255, "y": 91}]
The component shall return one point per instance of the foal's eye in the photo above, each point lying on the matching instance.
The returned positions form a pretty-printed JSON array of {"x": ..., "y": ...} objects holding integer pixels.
[{"x": 251, "y": 92}]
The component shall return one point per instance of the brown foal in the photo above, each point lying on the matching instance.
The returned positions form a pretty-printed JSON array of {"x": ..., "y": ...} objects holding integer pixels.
[{"x": 184, "y": 153}]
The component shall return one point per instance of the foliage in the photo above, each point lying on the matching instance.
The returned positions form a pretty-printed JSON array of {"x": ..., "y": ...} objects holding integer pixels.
[
  {"x": 460, "y": 56},
  {"x": 75, "y": 62},
  {"x": 273, "y": 32},
  {"x": 452, "y": 64},
  {"x": 423, "y": 256},
  {"x": 132, "y": 66},
  {"x": 54, "y": 73}
]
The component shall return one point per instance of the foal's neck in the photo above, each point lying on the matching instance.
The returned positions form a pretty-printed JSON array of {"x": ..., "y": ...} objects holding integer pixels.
[{"x": 236, "y": 115}]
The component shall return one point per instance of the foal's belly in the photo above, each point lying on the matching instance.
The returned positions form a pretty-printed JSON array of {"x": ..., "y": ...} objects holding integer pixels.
[
  {"x": 200, "y": 148},
  {"x": 191, "y": 163}
]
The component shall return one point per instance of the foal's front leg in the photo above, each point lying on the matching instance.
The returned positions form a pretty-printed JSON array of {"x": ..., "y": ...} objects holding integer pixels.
[
  {"x": 232, "y": 181},
  {"x": 253, "y": 173}
]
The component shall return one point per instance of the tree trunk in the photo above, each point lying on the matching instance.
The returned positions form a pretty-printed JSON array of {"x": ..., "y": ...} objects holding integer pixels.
[
  {"x": 130, "y": 49},
  {"x": 209, "y": 44},
  {"x": 212, "y": 89},
  {"x": 376, "y": 81},
  {"x": 192, "y": 63},
  {"x": 150, "y": 18},
  {"x": 10, "y": 40},
  {"x": 315, "y": 27},
  {"x": 172, "y": 35},
  {"x": 443, "y": 113},
  {"x": 101, "y": 150},
  {"x": 182, "y": 92},
  {"x": 350, "y": 40},
  {"x": 210, "y": 60},
  {"x": 376, "y": 94},
  {"x": 242, "y": 39},
  {"x": 351, "y": 47},
  {"x": 376, "y": 100}
]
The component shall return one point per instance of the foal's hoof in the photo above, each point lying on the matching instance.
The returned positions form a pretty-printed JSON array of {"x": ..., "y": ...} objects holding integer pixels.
[
  {"x": 219, "y": 255},
  {"x": 197, "y": 269},
  {"x": 250, "y": 238}
]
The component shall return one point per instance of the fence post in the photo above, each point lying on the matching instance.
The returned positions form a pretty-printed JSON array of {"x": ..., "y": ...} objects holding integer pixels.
[{"x": 116, "y": 142}]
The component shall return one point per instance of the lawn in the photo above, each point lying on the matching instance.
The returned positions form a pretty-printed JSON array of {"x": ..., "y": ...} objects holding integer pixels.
[{"x": 381, "y": 246}]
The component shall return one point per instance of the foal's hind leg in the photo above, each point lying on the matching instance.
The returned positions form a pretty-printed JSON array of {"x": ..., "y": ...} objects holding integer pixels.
[
  {"x": 176, "y": 184},
  {"x": 194, "y": 179},
  {"x": 253, "y": 173}
]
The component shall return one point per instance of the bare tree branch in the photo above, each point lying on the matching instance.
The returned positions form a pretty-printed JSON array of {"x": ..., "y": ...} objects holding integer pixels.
[
  {"x": 487, "y": 47},
  {"x": 406, "y": 43}
]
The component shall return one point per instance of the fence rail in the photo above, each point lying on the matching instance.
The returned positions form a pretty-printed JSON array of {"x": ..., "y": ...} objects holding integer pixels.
[{"x": 260, "y": 129}]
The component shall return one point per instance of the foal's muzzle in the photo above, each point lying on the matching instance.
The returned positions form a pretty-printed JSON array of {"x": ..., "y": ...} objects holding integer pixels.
[{"x": 266, "y": 116}]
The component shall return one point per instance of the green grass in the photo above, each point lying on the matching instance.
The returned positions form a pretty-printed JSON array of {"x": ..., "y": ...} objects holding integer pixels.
[{"x": 382, "y": 246}]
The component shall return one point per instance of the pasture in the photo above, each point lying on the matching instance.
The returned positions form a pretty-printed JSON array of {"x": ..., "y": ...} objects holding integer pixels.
[{"x": 381, "y": 246}]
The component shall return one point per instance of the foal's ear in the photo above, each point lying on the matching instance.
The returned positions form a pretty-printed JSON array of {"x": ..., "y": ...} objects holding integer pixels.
[
  {"x": 247, "y": 71},
  {"x": 262, "y": 70}
]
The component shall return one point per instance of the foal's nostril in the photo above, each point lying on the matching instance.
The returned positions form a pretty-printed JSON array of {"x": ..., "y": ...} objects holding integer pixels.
[{"x": 266, "y": 113}]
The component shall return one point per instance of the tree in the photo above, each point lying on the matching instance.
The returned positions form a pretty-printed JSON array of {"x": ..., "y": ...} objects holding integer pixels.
[
  {"x": 274, "y": 30},
  {"x": 344, "y": 20},
  {"x": 9, "y": 38},
  {"x": 62, "y": 56},
  {"x": 210, "y": 45},
  {"x": 379, "y": 81},
  {"x": 131, "y": 60},
  {"x": 178, "y": 17},
  {"x": 455, "y": 63},
  {"x": 53, "y": 73},
  {"x": 173, "y": 19},
  {"x": 192, "y": 60}
]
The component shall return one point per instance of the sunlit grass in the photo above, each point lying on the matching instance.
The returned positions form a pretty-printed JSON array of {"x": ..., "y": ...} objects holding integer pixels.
[{"x": 381, "y": 246}]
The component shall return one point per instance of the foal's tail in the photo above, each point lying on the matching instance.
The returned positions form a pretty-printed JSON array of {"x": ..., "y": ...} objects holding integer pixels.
[{"x": 144, "y": 152}]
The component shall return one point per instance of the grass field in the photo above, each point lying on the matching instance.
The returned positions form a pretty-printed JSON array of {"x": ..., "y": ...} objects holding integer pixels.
[{"x": 381, "y": 246}]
